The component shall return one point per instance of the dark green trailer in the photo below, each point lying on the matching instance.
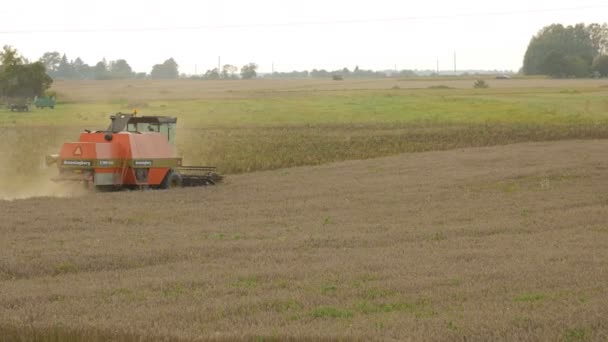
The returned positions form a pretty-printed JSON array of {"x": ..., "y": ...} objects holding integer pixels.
[{"x": 44, "y": 102}]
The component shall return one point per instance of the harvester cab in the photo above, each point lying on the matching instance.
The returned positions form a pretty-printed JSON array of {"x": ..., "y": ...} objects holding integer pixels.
[
  {"x": 144, "y": 124},
  {"x": 133, "y": 152}
]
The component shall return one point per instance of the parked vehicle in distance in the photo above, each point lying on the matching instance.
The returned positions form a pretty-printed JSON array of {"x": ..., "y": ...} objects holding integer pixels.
[
  {"x": 18, "y": 104},
  {"x": 44, "y": 102},
  {"x": 16, "y": 107}
]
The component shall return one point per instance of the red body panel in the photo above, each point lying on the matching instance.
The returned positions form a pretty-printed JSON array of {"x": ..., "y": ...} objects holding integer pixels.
[{"x": 125, "y": 158}]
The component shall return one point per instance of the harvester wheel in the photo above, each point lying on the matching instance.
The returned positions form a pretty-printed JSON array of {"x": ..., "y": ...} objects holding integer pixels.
[{"x": 172, "y": 180}]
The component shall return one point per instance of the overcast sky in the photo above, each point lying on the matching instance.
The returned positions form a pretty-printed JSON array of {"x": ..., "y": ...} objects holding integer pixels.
[{"x": 295, "y": 35}]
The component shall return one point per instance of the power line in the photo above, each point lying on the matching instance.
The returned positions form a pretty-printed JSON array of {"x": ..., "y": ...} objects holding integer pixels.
[{"x": 306, "y": 23}]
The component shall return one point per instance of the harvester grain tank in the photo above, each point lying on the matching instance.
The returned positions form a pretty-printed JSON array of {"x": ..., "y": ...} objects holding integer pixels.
[{"x": 133, "y": 152}]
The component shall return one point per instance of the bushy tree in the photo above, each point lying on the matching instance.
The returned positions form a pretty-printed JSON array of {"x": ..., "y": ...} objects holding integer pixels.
[
  {"x": 599, "y": 37},
  {"x": 21, "y": 79},
  {"x": 480, "y": 84},
  {"x": 320, "y": 73},
  {"x": 9, "y": 57},
  {"x": 100, "y": 70},
  {"x": 167, "y": 70},
  {"x": 51, "y": 61},
  {"x": 249, "y": 71},
  {"x": 212, "y": 74},
  {"x": 228, "y": 71},
  {"x": 65, "y": 70},
  {"x": 120, "y": 69},
  {"x": 82, "y": 71},
  {"x": 600, "y": 65},
  {"x": 561, "y": 51}
]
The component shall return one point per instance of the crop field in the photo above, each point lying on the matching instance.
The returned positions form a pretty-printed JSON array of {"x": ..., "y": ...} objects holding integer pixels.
[
  {"x": 244, "y": 126},
  {"x": 384, "y": 209}
]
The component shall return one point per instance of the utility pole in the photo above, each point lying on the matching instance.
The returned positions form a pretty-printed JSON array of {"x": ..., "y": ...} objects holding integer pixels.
[
  {"x": 272, "y": 68},
  {"x": 195, "y": 70},
  {"x": 219, "y": 62},
  {"x": 437, "y": 66},
  {"x": 454, "y": 61}
]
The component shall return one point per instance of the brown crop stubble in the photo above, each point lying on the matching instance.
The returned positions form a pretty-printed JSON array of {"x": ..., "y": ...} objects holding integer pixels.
[
  {"x": 496, "y": 243},
  {"x": 152, "y": 90}
]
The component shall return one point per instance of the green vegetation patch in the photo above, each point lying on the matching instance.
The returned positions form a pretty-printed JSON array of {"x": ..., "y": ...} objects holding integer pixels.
[
  {"x": 330, "y": 312},
  {"x": 576, "y": 335},
  {"x": 246, "y": 282},
  {"x": 65, "y": 268},
  {"x": 282, "y": 306},
  {"x": 376, "y": 293}
]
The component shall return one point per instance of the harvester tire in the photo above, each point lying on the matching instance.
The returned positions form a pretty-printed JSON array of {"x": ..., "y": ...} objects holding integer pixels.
[{"x": 172, "y": 180}]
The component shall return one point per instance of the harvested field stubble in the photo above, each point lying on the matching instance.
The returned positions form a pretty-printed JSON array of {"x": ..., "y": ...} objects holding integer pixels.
[
  {"x": 494, "y": 243},
  {"x": 151, "y": 90}
]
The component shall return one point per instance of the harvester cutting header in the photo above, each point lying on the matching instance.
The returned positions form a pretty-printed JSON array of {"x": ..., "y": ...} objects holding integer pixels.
[{"x": 133, "y": 152}]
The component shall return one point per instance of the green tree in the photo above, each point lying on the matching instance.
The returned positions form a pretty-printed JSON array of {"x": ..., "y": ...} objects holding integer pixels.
[
  {"x": 211, "y": 74},
  {"x": 249, "y": 71},
  {"x": 100, "y": 70},
  {"x": 600, "y": 65},
  {"x": 120, "y": 69},
  {"x": 599, "y": 37},
  {"x": 81, "y": 69},
  {"x": 228, "y": 71},
  {"x": 51, "y": 61},
  {"x": 9, "y": 57},
  {"x": 561, "y": 51},
  {"x": 65, "y": 69},
  {"x": 167, "y": 70},
  {"x": 576, "y": 66},
  {"x": 19, "y": 79}
]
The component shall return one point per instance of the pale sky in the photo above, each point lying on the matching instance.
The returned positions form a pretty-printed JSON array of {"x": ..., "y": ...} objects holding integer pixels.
[{"x": 295, "y": 35}]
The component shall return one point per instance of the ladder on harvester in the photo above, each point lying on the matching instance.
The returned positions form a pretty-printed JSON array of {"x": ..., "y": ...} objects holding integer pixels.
[
  {"x": 123, "y": 173},
  {"x": 124, "y": 170}
]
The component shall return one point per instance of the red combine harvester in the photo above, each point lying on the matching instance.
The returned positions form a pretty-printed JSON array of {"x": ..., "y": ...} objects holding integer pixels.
[{"x": 134, "y": 152}]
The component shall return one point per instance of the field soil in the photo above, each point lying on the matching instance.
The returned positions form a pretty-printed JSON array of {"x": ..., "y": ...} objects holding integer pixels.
[{"x": 493, "y": 243}]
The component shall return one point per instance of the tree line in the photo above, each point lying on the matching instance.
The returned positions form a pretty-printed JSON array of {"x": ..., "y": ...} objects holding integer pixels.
[
  {"x": 58, "y": 66},
  {"x": 568, "y": 51},
  {"x": 249, "y": 71},
  {"x": 229, "y": 72},
  {"x": 344, "y": 72},
  {"x": 21, "y": 78}
]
